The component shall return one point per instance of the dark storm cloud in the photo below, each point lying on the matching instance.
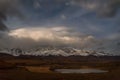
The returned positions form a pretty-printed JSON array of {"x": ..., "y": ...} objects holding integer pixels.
[
  {"x": 45, "y": 9},
  {"x": 8, "y": 8},
  {"x": 111, "y": 9},
  {"x": 105, "y": 8},
  {"x": 51, "y": 8}
]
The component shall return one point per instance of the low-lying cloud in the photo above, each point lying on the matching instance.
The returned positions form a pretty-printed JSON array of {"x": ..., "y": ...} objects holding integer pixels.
[
  {"x": 54, "y": 36},
  {"x": 29, "y": 38}
]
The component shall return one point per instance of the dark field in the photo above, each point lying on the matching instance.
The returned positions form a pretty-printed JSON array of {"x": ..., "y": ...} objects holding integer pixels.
[{"x": 41, "y": 68}]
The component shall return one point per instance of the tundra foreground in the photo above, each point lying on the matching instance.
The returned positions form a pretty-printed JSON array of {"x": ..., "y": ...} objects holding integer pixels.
[{"x": 42, "y": 68}]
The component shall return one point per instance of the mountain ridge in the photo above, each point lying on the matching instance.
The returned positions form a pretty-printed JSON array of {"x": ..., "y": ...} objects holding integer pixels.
[{"x": 55, "y": 51}]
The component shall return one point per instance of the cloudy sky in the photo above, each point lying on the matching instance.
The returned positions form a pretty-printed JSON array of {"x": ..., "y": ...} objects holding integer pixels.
[{"x": 79, "y": 23}]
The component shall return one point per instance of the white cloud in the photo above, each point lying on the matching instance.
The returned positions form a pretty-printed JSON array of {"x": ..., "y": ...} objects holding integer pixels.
[{"x": 30, "y": 37}]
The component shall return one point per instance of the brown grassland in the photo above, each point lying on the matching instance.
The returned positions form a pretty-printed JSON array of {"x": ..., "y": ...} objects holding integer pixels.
[{"x": 41, "y": 68}]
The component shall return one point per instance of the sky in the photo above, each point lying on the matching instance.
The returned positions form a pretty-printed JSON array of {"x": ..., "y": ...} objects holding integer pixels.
[{"x": 89, "y": 24}]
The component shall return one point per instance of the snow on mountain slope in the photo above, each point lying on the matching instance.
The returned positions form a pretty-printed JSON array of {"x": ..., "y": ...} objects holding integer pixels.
[{"x": 54, "y": 51}]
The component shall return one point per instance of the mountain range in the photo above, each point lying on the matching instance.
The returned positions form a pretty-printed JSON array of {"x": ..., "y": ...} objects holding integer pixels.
[{"x": 55, "y": 51}]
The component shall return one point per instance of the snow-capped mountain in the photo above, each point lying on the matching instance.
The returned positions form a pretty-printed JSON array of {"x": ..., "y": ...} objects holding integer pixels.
[{"x": 54, "y": 51}]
